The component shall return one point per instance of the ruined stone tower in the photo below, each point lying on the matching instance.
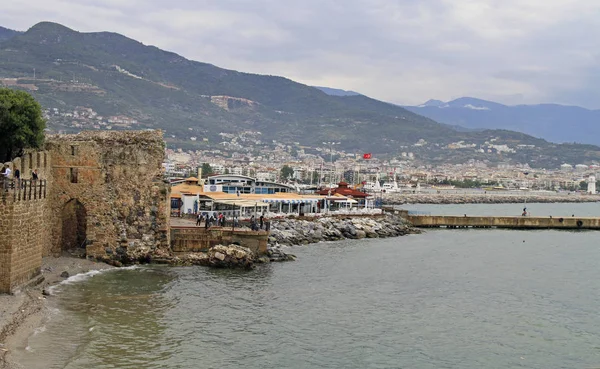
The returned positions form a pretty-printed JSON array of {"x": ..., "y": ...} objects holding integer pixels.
[{"x": 98, "y": 191}]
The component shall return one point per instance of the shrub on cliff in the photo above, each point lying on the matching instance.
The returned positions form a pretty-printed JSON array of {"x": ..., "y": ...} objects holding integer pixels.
[{"x": 21, "y": 123}]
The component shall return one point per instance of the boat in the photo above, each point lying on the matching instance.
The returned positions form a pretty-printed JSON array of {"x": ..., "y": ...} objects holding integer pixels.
[
  {"x": 373, "y": 186},
  {"x": 391, "y": 187}
]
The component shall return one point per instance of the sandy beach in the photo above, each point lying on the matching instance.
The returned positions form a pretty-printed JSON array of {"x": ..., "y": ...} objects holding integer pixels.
[{"x": 26, "y": 310}]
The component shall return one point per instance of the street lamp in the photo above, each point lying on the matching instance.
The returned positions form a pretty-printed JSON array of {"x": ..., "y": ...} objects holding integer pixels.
[{"x": 330, "y": 144}]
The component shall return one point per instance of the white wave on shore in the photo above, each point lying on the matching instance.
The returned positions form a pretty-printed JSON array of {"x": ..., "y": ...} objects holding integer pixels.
[{"x": 80, "y": 277}]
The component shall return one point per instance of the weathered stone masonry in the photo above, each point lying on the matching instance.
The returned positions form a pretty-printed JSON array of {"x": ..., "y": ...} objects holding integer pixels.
[
  {"x": 102, "y": 191},
  {"x": 108, "y": 186},
  {"x": 24, "y": 233}
]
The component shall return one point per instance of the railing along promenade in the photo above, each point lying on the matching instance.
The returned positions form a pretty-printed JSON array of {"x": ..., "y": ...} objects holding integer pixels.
[
  {"x": 22, "y": 189},
  {"x": 512, "y": 222}
]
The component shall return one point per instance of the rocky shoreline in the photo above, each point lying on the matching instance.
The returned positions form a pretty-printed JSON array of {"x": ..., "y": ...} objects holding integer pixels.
[
  {"x": 292, "y": 232},
  {"x": 26, "y": 310},
  {"x": 490, "y": 198}
]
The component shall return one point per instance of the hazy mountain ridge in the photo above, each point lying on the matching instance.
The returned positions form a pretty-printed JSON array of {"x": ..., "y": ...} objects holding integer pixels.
[
  {"x": 553, "y": 122},
  {"x": 116, "y": 75},
  {"x": 6, "y": 34},
  {"x": 336, "y": 91}
]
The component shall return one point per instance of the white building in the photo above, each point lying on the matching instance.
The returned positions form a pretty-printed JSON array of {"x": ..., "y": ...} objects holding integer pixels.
[{"x": 591, "y": 187}]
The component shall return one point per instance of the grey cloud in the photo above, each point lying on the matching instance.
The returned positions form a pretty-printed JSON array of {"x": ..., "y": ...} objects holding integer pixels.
[{"x": 399, "y": 51}]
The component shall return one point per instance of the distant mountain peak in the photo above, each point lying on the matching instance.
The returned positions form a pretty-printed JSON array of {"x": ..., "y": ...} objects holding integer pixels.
[
  {"x": 474, "y": 103},
  {"x": 552, "y": 122},
  {"x": 433, "y": 102},
  {"x": 50, "y": 27}
]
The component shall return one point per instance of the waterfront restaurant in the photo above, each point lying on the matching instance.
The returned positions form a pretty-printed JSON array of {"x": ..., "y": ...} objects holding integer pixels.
[
  {"x": 282, "y": 203},
  {"x": 362, "y": 199},
  {"x": 190, "y": 197},
  {"x": 239, "y": 184}
]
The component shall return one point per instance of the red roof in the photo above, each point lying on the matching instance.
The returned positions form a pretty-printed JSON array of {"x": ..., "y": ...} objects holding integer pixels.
[{"x": 344, "y": 190}]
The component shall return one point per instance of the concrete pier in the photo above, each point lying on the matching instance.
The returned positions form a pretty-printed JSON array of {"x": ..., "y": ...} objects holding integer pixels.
[
  {"x": 512, "y": 222},
  {"x": 195, "y": 239}
]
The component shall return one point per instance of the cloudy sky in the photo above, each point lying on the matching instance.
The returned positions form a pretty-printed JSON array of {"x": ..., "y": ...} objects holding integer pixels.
[{"x": 402, "y": 51}]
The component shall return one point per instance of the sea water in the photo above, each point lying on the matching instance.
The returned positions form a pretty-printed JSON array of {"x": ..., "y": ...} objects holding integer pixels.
[{"x": 443, "y": 299}]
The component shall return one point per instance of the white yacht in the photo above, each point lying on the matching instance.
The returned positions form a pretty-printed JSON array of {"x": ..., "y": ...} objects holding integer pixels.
[{"x": 391, "y": 187}]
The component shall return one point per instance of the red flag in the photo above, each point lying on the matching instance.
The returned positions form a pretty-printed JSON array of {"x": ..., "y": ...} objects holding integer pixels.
[{"x": 367, "y": 155}]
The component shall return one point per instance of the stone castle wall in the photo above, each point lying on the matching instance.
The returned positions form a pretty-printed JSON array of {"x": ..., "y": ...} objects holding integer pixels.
[
  {"x": 115, "y": 180},
  {"x": 98, "y": 191},
  {"x": 24, "y": 230}
]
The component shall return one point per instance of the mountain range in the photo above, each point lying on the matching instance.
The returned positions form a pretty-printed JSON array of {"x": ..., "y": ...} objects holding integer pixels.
[
  {"x": 117, "y": 76},
  {"x": 552, "y": 122}
]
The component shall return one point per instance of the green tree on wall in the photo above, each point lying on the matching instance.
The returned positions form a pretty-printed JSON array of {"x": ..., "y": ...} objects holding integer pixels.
[{"x": 21, "y": 123}]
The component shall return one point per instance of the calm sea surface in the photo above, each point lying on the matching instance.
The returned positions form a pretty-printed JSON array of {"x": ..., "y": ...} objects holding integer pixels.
[{"x": 443, "y": 299}]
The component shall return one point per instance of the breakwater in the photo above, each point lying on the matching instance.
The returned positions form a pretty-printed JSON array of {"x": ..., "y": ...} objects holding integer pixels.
[
  {"x": 304, "y": 231},
  {"x": 518, "y": 222},
  {"x": 489, "y": 198}
]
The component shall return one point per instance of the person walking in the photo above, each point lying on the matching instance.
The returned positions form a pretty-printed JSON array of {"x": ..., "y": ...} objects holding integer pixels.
[
  {"x": 198, "y": 219},
  {"x": 261, "y": 221}
]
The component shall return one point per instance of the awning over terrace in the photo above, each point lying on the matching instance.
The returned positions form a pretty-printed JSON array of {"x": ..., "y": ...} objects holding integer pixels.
[
  {"x": 291, "y": 201},
  {"x": 241, "y": 203}
]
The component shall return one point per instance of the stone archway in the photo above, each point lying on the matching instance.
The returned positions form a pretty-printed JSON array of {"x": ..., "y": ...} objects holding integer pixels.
[{"x": 74, "y": 225}]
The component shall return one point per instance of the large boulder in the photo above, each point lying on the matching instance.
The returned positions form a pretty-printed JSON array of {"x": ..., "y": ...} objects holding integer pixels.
[{"x": 232, "y": 256}]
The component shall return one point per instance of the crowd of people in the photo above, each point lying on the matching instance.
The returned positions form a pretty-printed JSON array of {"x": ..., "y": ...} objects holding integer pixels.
[
  {"x": 221, "y": 220},
  {"x": 11, "y": 178}
]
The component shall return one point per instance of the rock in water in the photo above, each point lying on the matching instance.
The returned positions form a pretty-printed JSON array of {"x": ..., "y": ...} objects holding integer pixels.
[
  {"x": 232, "y": 256},
  {"x": 64, "y": 274}
]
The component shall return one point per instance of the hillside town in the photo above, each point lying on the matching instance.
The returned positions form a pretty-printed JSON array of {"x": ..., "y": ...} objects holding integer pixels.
[{"x": 245, "y": 154}]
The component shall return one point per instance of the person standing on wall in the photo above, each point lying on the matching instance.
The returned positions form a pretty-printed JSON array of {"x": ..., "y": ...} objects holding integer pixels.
[{"x": 18, "y": 177}]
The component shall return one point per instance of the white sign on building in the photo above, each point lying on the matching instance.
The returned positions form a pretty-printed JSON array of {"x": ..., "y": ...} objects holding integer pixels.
[{"x": 213, "y": 188}]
